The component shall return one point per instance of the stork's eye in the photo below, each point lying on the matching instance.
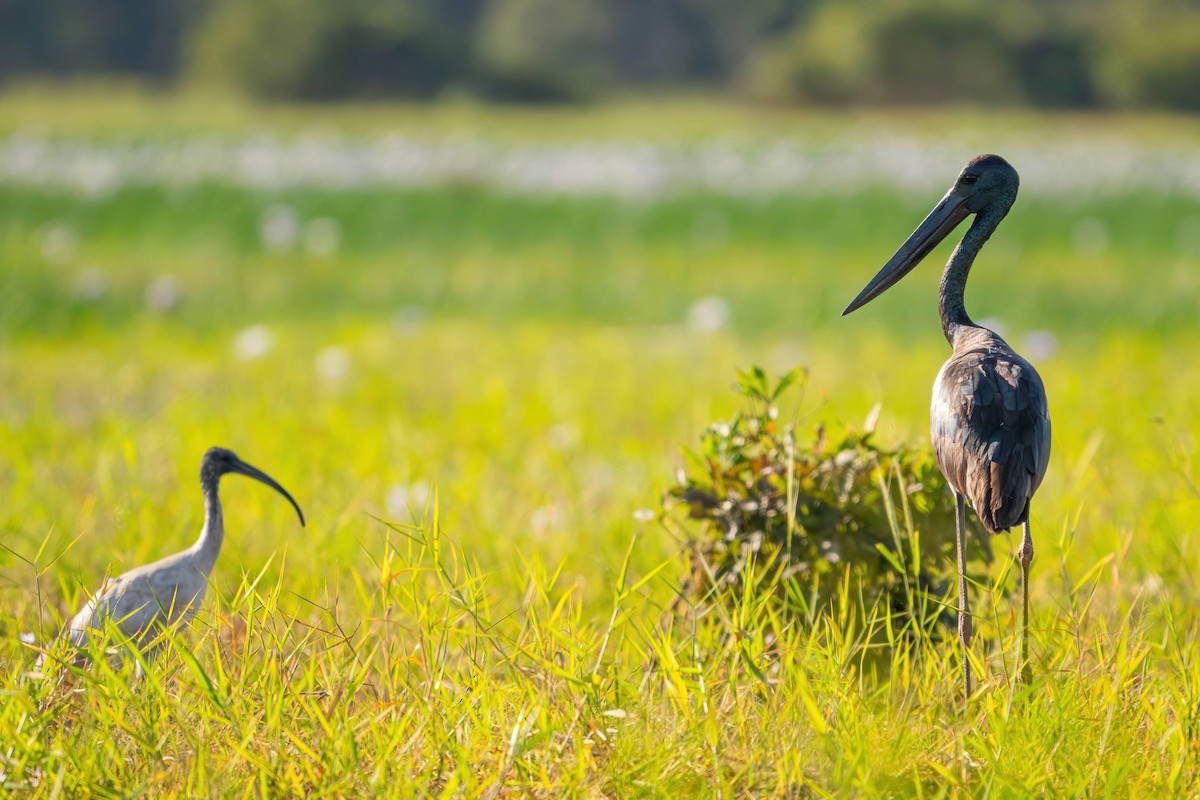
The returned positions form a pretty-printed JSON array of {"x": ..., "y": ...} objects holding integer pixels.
[{"x": 969, "y": 178}]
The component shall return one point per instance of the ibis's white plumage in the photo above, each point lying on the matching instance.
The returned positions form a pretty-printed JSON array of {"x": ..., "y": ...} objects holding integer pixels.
[{"x": 147, "y": 601}]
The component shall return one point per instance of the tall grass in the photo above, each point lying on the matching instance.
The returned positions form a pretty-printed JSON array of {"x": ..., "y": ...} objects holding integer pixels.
[
  {"x": 470, "y": 396},
  {"x": 436, "y": 685}
]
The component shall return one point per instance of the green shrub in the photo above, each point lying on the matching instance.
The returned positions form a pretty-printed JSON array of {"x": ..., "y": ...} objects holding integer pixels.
[
  {"x": 762, "y": 512},
  {"x": 318, "y": 50},
  {"x": 829, "y": 60},
  {"x": 931, "y": 51},
  {"x": 1153, "y": 60},
  {"x": 1055, "y": 67},
  {"x": 540, "y": 50}
]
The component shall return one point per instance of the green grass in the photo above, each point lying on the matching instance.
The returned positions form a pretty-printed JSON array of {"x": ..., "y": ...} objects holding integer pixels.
[
  {"x": 517, "y": 641},
  {"x": 128, "y": 109},
  {"x": 786, "y": 265}
]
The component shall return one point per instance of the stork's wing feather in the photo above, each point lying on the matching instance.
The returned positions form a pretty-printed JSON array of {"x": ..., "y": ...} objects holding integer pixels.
[{"x": 990, "y": 428}]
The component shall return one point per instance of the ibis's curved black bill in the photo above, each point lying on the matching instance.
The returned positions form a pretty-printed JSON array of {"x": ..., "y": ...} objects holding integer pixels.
[
  {"x": 242, "y": 468},
  {"x": 944, "y": 218}
]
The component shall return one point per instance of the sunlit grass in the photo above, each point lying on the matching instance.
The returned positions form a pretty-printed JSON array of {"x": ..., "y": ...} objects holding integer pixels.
[
  {"x": 540, "y": 443},
  {"x": 470, "y": 396}
]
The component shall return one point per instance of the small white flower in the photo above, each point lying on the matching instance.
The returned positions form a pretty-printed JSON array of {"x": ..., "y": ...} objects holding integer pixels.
[
  {"x": 408, "y": 319},
  {"x": 253, "y": 342},
  {"x": 644, "y": 515},
  {"x": 333, "y": 364},
  {"x": 163, "y": 294},
  {"x": 994, "y": 324},
  {"x": 547, "y": 518},
  {"x": 402, "y": 499},
  {"x": 1040, "y": 345},
  {"x": 91, "y": 285},
  {"x": 708, "y": 314},
  {"x": 59, "y": 243},
  {"x": 279, "y": 228},
  {"x": 563, "y": 436},
  {"x": 397, "y": 500}
]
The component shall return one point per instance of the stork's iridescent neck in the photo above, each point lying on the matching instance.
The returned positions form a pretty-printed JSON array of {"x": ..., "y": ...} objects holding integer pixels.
[{"x": 951, "y": 304}]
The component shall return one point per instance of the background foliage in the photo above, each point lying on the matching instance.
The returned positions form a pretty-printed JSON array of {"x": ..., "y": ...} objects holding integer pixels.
[{"x": 1066, "y": 53}]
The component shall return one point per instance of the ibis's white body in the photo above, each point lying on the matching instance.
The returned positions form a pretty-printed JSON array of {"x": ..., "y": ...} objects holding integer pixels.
[{"x": 144, "y": 602}]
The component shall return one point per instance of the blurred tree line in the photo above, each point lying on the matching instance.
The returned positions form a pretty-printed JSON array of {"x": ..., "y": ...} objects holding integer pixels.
[{"x": 1057, "y": 53}]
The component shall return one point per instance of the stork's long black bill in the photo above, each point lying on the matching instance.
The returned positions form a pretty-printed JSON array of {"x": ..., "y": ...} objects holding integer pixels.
[
  {"x": 254, "y": 472},
  {"x": 944, "y": 218}
]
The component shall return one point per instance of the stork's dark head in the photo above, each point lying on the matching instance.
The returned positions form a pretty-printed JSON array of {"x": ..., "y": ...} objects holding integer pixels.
[
  {"x": 987, "y": 186},
  {"x": 218, "y": 461},
  {"x": 985, "y": 182}
]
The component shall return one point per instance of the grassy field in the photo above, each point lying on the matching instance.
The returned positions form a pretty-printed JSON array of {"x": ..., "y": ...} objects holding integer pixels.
[{"x": 475, "y": 394}]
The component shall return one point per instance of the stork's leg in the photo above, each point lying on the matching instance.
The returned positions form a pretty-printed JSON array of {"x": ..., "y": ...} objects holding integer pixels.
[
  {"x": 1025, "y": 554},
  {"x": 964, "y": 609}
]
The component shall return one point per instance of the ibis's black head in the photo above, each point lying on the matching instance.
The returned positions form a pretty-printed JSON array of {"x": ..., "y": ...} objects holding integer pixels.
[
  {"x": 986, "y": 186},
  {"x": 218, "y": 461}
]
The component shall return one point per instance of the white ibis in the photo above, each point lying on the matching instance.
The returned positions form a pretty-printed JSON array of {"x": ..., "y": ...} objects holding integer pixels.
[
  {"x": 990, "y": 424},
  {"x": 146, "y": 601}
]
